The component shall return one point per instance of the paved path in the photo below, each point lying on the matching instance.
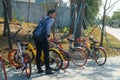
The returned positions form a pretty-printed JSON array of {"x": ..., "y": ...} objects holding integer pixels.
[
  {"x": 110, "y": 71},
  {"x": 113, "y": 31}
]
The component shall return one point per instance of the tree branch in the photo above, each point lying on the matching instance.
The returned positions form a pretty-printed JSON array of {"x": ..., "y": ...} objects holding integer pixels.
[{"x": 112, "y": 4}]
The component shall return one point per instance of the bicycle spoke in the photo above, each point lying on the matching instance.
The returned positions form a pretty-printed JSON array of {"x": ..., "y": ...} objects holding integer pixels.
[
  {"x": 100, "y": 56},
  {"x": 55, "y": 60},
  {"x": 79, "y": 57},
  {"x": 28, "y": 69}
]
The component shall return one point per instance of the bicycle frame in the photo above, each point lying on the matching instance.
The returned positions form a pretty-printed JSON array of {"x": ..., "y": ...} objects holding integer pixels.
[
  {"x": 91, "y": 48},
  {"x": 60, "y": 48},
  {"x": 94, "y": 51},
  {"x": 52, "y": 58},
  {"x": 30, "y": 47},
  {"x": 19, "y": 50},
  {"x": 71, "y": 51},
  {"x": 2, "y": 68},
  {"x": 20, "y": 59},
  {"x": 30, "y": 50}
]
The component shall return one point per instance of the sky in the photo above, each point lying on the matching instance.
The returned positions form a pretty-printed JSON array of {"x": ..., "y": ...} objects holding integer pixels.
[{"x": 115, "y": 8}]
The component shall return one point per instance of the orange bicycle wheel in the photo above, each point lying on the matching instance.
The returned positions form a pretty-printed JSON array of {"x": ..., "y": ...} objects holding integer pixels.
[
  {"x": 27, "y": 61},
  {"x": 65, "y": 60},
  {"x": 100, "y": 56},
  {"x": 55, "y": 60},
  {"x": 12, "y": 58},
  {"x": 79, "y": 57}
]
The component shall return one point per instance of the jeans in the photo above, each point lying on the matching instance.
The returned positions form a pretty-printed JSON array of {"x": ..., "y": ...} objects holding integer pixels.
[{"x": 42, "y": 45}]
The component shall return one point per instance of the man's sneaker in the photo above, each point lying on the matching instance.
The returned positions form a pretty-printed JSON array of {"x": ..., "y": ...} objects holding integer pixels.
[
  {"x": 40, "y": 71},
  {"x": 48, "y": 72}
]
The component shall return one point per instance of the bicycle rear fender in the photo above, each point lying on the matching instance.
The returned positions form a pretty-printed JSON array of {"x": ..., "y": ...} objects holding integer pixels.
[
  {"x": 30, "y": 47},
  {"x": 79, "y": 48},
  {"x": 57, "y": 52},
  {"x": 100, "y": 47}
]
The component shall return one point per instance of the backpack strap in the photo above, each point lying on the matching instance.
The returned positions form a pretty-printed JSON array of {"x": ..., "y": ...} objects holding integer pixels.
[{"x": 46, "y": 18}]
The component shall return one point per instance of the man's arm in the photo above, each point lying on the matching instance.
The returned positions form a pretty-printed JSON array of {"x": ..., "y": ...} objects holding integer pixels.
[{"x": 49, "y": 24}]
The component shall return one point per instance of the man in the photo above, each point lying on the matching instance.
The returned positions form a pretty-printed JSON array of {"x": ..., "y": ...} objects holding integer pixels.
[{"x": 44, "y": 43}]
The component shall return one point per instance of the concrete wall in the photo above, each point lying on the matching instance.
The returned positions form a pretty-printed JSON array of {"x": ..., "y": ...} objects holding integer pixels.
[
  {"x": 1, "y": 9},
  {"x": 36, "y": 11},
  {"x": 20, "y": 11}
]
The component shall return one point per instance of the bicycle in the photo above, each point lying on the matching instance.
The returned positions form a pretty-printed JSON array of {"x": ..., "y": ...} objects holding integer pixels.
[
  {"x": 55, "y": 58},
  {"x": 74, "y": 54},
  {"x": 3, "y": 74},
  {"x": 93, "y": 50},
  {"x": 18, "y": 58}
]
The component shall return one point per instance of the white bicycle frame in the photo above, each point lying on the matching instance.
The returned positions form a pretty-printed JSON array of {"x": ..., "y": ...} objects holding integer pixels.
[{"x": 20, "y": 52}]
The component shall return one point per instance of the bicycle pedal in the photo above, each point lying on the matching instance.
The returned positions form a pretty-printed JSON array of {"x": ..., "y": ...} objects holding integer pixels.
[
  {"x": 20, "y": 74},
  {"x": 23, "y": 68},
  {"x": 18, "y": 67}
]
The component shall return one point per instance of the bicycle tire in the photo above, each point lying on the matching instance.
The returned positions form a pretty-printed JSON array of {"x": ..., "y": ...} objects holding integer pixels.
[
  {"x": 65, "y": 56},
  {"x": 100, "y": 56},
  {"x": 27, "y": 61},
  {"x": 30, "y": 53},
  {"x": 55, "y": 59},
  {"x": 50, "y": 58},
  {"x": 11, "y": 58},
  {"x": 65, "y": 60},
  {"x": 79, "y": 57},
  {"x": 17, "y": 58},
  {"x": 3, "y": 74}
]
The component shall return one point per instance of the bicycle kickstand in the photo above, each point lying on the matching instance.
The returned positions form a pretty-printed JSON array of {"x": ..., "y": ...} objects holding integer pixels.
[{"x": 22, "y": 71}]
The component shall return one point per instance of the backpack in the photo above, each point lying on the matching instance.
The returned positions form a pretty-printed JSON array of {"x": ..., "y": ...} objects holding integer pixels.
[{"x": 40, "y": 32}]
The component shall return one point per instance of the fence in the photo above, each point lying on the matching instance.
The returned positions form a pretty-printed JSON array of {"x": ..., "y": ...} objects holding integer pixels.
[
  {"x": 1, "y": 9},
  {"x": 34, "y": 12}
]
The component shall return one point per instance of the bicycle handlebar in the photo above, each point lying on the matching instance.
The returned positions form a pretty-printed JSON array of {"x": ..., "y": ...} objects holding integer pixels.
[
  {"x": 70, "y": 39},
  {"x": 56, "y": 41},
  {"x": 29, "y": 36},
  {"x": 15, "y": 35}
]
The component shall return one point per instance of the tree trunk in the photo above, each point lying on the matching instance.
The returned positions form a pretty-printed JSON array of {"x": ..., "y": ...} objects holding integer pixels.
[
  {"x": 9, "y": 10},
  {"x": 6, "y": 22},
  {"x": 102, "y": 31},
  {"x": 72, "y": 17},
  {"x": 55, "y": 7},
  {"x": 80, "y": 16},
  {"x": 103, "y": 24},
  {"x": 4, "y": 11}
]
